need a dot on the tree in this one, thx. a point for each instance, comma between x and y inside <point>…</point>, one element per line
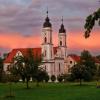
<point>79,71</point>
<point>27,66</point>
<point>88,61</point>
<point>1,68</point>
<point>97,76</point>
<point>90,22</point>
<point>41,76</point>
<point>21,67</point>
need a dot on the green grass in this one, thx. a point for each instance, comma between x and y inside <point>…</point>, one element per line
<point>51,91</point>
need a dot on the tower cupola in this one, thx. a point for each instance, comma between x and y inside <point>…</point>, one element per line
<point>62,29</point>
<point>47,22</point>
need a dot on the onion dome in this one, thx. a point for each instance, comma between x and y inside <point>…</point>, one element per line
<point>62,29</point>
<point>47,22</point>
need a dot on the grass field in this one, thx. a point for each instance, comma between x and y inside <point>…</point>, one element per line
<point>51,91</point>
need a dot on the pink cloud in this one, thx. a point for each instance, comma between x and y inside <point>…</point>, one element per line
<point>75,41</point>
<point>16,40</point>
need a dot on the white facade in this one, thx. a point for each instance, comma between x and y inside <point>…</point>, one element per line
<point>53,63</point>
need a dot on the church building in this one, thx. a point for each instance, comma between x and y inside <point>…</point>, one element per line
<point>54,58</point>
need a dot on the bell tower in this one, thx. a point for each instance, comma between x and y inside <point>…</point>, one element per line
<point>62,39</point>
<point>47,46</point>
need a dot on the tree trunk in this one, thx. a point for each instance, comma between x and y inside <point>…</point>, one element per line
<point>27,83</point>
<point>80,82</point>
<point>37,84</point>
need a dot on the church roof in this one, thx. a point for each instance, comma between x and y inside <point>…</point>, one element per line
<point>62,29</point>
<point>75,57</point>
<point>36,52</point>
<point>47,22</point>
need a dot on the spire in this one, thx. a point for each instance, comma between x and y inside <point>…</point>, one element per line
<point>62,19</point>
<point>62,29</point>
<point>47,21</point>
<point>47,12</point>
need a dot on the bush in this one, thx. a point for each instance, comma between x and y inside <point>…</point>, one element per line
<point>46,78</point>
<point>53,78</point>
<point>60,78</point>
<point>68,78</point>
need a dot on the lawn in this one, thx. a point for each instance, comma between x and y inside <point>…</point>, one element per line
<point>51,91</point>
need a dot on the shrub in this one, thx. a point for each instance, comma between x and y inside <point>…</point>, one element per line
<point>46,78</point>
<point>60,78</point>
<point>53,78</point>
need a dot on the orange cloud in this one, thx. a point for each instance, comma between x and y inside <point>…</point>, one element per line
<point>16,40</point>
<point>75,41</point>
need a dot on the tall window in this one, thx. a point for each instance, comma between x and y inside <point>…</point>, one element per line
<point>45,68</point>
<point>59,67</point>
<point>45,53</point>
<point>51,53</point>
<point>45,39</point>
<point>60,43</point>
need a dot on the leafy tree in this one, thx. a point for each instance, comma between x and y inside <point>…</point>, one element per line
<point>88,61</point>
<point>79,71</point>
<point>98,57</point>
<point>26,67</point>
<point>90,22</point>
<point>22,68</point>
<point>97,76</point>
<point>41,76</point>
<point>1,68</point>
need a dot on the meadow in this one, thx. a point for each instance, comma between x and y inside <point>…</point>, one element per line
<point>51,91</point>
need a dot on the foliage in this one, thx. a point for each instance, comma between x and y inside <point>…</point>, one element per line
<point>22,68</point>
<point>46,78</point>
<point>90,22</point>
<point>1,68</point>
<point>26,67</point>
<point>53,78</point>
<point>79,71</point>
<point>98,57</point>
<point>88,61</point>
<point>68,78</point>
<point>41,75</point>
<point>60,78</point>
<point>85,69</point>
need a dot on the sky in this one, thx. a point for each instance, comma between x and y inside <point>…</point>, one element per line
<point>21,23</point>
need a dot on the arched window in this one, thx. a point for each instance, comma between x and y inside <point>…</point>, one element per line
<point>45,39</point>
<point>60,43</point>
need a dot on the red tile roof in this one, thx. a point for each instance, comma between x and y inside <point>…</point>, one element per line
<point>24,51</point>
<point>75,57</point>
<point>96,60</point>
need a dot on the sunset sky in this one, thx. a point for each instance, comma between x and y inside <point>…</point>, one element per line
<point>21,23</point>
